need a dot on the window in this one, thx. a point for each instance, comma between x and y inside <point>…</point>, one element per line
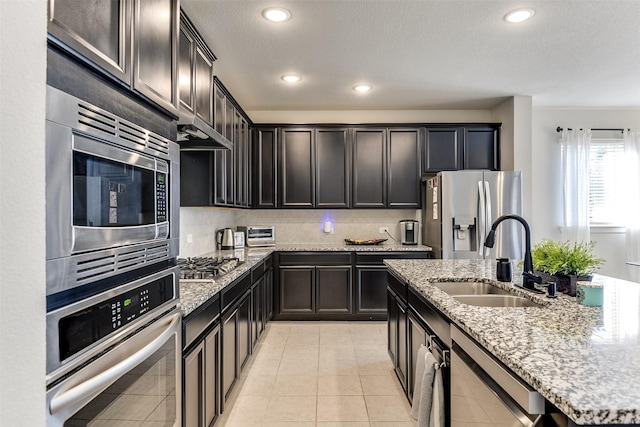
<point>607,182</point>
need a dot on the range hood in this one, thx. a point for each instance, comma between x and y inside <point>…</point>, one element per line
<point>196,135</point>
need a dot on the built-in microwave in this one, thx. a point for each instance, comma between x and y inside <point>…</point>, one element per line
<point>112,194</point>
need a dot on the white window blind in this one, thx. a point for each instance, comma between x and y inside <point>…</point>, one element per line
<point>606,182</point>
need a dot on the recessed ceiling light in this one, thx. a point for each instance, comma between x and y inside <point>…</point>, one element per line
<point>519,15</point>
<point>362,88</point>
<point>276,14</point>
<point>291,78</point>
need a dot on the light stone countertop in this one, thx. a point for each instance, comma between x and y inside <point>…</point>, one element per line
<point>585,360</point>
<point>195,293</point>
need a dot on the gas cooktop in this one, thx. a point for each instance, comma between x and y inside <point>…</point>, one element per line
<point>206,268</point>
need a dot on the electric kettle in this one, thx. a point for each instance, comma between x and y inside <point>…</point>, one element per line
<point>225,238</point>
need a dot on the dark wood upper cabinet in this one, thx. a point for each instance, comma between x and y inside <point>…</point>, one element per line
<point>133,41</point>
<point>155,34</point>
<point>404,168</point>
<point>441,149</point>
<point>461,147</point>
<point>333,168</point>
<point>298,168</point>
<point>369,168</point>
<point>481,147</point>
<point>99,31</point>
<point>186,49</point>
<point>195,72</point>
<point>264,159</point>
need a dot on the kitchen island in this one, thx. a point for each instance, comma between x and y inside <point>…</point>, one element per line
<point>583,360</point>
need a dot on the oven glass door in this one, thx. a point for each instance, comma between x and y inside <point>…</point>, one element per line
<point>144,396</point>
<point>136,383</point>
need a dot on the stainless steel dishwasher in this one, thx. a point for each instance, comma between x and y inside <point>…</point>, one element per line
<point>484,392</point>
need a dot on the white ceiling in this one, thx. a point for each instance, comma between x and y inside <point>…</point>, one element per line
<point>424,54</point>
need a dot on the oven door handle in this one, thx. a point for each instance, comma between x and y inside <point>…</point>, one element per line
<point>86,391</point>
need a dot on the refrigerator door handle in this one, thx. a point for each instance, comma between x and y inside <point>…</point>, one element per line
<point>489,214</point>
<point>482,222</point>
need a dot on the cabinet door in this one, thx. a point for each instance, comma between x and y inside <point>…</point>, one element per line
<point>219,109</point>
<point>258,314</point>
<point>417,336</point>
<point>203,85</point>
<point>268,285</point>
<point>297,172</point>
<point>404,168</point>
<point>333,289</point>
<point>392,327</point>
<point>193,368</point>
<point>264,168</point>
<point>369,171</point>
<point>186,50</point>
<point>211,377</point>
<point>220,177</point>
<point>155,35</point>
<point>229,363</point>
<point>481,148</point>
<point>99,31</point>
<point>401,360</point>
<point>371,290</point>
<point>332,168</point>
<point>244,330</point>
<point>297,290</point>
<point>442,150</point>
<point>241,150</point>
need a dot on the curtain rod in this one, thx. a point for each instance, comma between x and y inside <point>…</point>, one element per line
<point>559,129</point>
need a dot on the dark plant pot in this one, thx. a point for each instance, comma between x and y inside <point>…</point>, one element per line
<point>567,283</point>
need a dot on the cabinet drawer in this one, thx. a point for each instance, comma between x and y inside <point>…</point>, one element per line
<point>376,258</point>
<point>233,292</point>
<point>197,322</point>
<point>314,258</point>
<point>397,286</point>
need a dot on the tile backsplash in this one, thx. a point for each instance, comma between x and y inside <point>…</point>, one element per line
<point>292,225</point>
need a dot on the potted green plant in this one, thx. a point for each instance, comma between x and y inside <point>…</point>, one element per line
<point>568,263</point>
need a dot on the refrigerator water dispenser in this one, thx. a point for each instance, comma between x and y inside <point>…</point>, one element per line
<point>464,233</point>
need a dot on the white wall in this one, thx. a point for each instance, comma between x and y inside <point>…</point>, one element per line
<point>371,116</point>
<point>23,33</point>
<point>547,190</point>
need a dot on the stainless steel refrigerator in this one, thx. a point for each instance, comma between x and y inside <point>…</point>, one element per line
<point>460,207</point>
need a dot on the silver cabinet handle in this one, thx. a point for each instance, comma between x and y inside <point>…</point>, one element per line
<point>86,391</point>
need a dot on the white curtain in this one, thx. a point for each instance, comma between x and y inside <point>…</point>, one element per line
<point>575,181</point>
<point>632,208</point>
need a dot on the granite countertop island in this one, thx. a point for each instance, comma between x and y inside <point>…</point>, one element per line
<point>584,360</point>
<point>194,293</point>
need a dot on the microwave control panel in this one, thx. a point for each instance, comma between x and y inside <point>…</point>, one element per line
<point>161,197</point>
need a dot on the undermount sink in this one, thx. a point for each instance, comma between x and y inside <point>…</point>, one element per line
<point>496,301</point>
<point>470,288</point>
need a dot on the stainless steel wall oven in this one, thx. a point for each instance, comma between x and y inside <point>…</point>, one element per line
<point>115,358</point>
<point>113,320</point>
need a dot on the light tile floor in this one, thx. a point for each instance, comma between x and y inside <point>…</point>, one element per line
<point>319,374</point>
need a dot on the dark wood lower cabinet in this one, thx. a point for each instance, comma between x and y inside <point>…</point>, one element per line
<point>244,331</point>
<point>397,335</point>
<point>314,291</point>
<point>417,336</point>
<point>333,289</point>
<point>371,291</point>
<point>201,368</point>
<point>297,294</point>
<point>229,358</point>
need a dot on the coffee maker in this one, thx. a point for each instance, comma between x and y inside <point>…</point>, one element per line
<point>409,229</point>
